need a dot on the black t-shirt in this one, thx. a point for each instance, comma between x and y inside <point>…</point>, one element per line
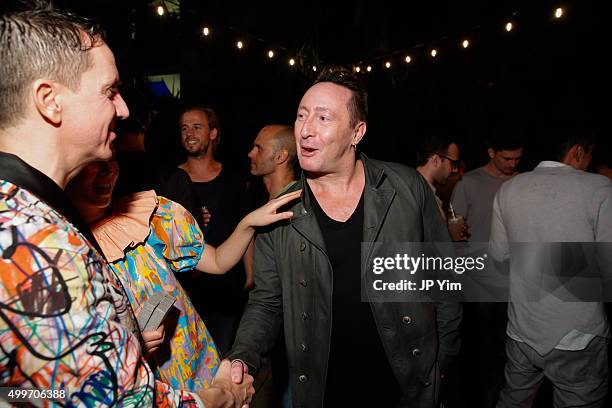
<point>227,200</point>
<point>358,373</point>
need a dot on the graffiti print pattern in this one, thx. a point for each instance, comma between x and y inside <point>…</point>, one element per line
<point>65,322</point>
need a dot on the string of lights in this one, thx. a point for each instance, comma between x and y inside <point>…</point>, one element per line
<point>386,61</point>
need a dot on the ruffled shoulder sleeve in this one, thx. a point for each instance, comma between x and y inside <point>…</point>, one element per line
<point>176,236</point>
<point>127,226</point>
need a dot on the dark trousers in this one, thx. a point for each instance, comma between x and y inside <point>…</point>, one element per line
<point>579,378</point>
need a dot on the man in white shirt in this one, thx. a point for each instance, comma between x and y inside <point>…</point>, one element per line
<point>548,212</point>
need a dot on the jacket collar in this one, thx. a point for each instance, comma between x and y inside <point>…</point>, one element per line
<point>17,172</point>
<point>377,200</point>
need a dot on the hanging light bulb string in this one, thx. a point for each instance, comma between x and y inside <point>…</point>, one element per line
<point>405,56</point>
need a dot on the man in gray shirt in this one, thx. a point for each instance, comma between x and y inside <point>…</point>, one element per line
<point>473,195</point>
<point>549,336</point>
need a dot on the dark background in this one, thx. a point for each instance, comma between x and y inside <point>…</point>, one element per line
<point>543,72</point>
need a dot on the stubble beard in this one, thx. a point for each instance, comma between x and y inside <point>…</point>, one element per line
<point>259,172</point>
<point>198,153</point>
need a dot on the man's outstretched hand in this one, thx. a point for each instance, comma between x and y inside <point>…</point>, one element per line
<point>231,387</point>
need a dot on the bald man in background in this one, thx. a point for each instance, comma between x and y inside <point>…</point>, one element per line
<point>273,157</point>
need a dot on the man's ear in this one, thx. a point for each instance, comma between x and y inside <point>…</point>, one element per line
<point>491,153</point>
<point>213,133</point>
<point>573,155</point>
<point>48,100</point>
<point>580,152</point>
<point>435,160</point>
<point>281,156</point>
<point>360,132</point>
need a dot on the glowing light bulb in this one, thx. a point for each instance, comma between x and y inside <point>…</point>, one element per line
<point>433,53</point>
<point>387,64</point>
<point>206,31</point>
<point>408,59</point>
<point>292,62</point>
<point>239,44</point>
<point>357,69</point>
<point>369,68</point>
<point>270,54</point>
<point>558,12</point>
<point>465,44</point>
<point>509,26</point>
<point>160,10</point>
<point>314,68</point>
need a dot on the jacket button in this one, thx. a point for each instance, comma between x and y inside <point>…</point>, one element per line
<point>302,246</point>
<point>427,383</point>
<point>407,319</point>
<point>416,352</point>
<point>304,316</point>
<point>303,283</point>
<point>303,378</point>
<point>303,347</point>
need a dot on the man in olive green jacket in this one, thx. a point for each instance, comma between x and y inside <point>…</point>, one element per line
<point>308,271</point>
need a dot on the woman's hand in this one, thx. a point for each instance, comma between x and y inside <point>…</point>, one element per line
<point>220,260</point>
<point>153,339</point>
<point>266,214</point>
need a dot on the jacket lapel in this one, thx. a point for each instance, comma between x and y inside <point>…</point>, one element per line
<point>377,202</point>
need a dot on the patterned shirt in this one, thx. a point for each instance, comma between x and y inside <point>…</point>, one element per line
<point>65,322</point>
<point>174,243</point>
